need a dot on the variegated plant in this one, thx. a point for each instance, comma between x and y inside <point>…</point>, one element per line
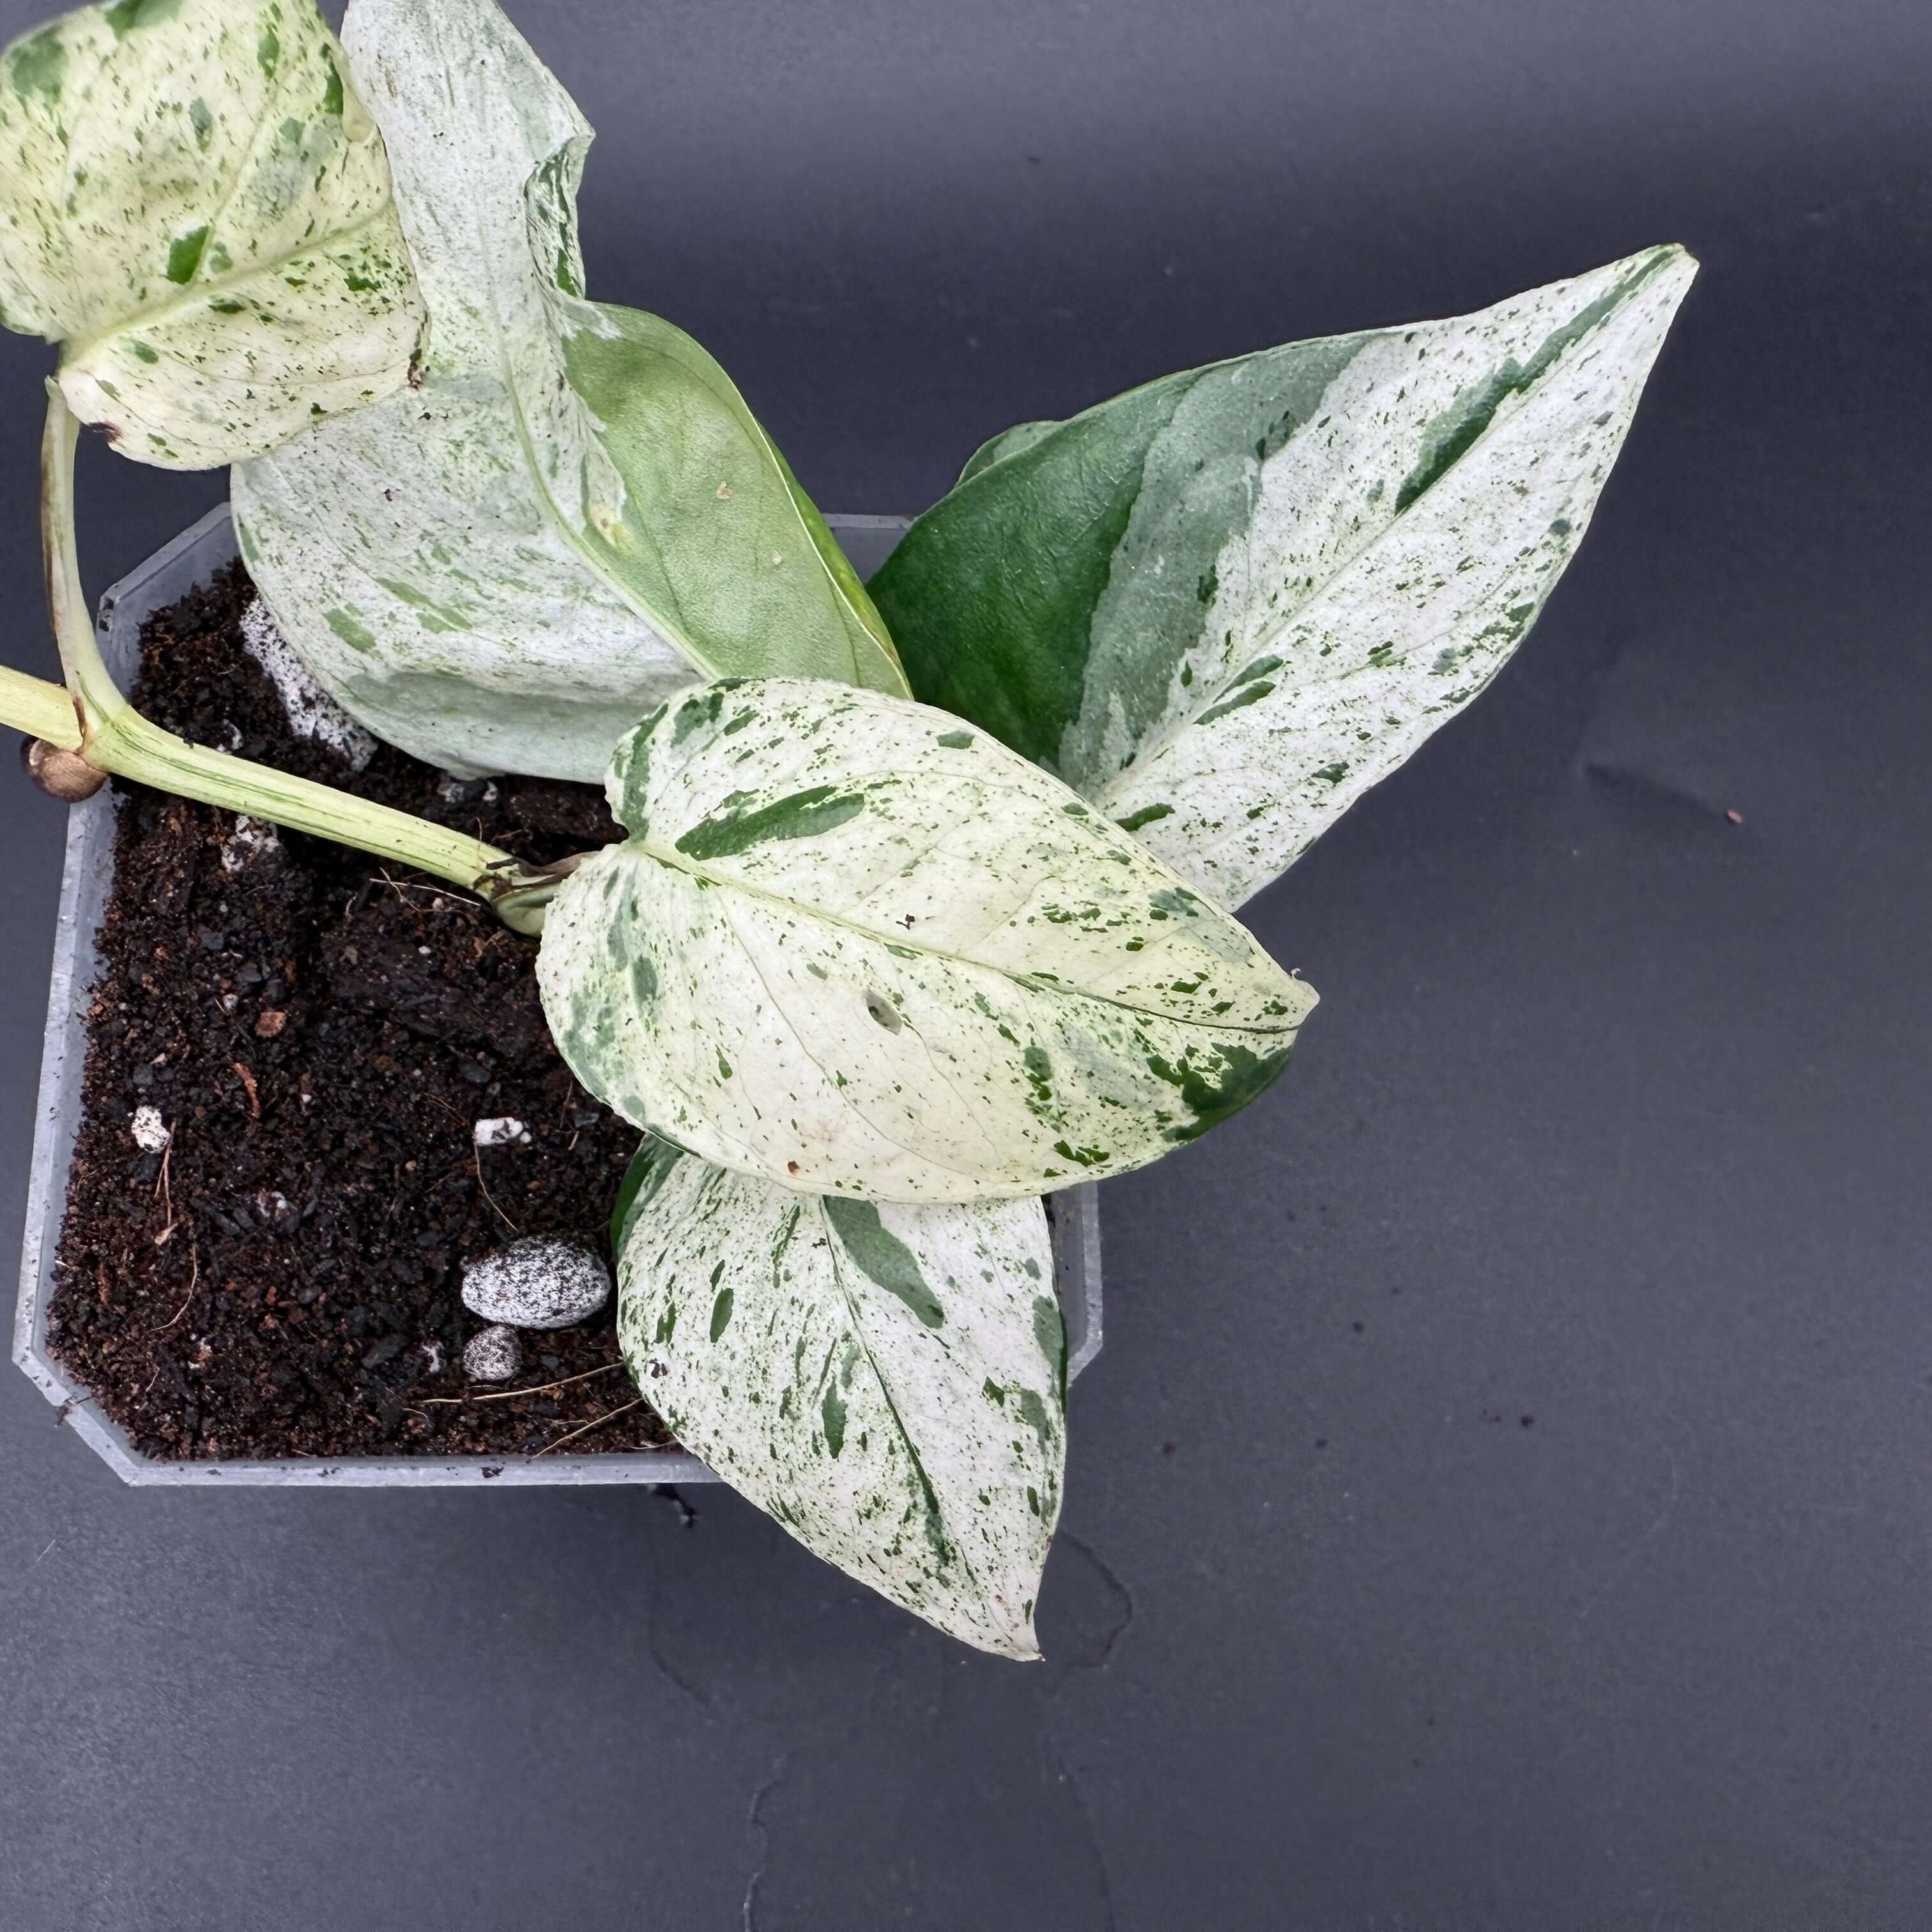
<point>196,208</point>
<point>889,1381</point>
<point>870,974</point>
<point>1222,606</point>
<point>575,514</point>
<point>851,946</point>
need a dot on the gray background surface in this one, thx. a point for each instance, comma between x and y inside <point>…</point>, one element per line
<point>1614,1115</point>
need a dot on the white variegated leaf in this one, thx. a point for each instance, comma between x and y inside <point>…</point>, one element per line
<point>859,948</point>
<point>1222,606</point>
<point>888,1381</point>
<point>197,207</point>
<point>576,513</point>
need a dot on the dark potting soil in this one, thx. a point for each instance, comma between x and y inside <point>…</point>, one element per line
<point>320,1032</point>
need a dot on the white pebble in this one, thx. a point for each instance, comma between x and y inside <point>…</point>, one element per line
<point>450,788</point>
<point>250,840</point>
<point>504,1130</point>
<point>150,1136</point>
<point>537,1282</point>
<point>311,711</point>
<point>493,1355</point>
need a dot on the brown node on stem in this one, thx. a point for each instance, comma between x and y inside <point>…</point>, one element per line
<point>66,775</point>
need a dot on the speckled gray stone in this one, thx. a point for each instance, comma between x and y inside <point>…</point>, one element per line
<point>493,1354</point>
<point>537,1283</point>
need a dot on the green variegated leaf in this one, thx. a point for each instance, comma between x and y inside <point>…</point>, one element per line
<point>576,513</point>
<point>859,948</point>
<point>197,207</point>
<point>1222,606</point>
<point>888,1381</point>
<point>1008,442</point>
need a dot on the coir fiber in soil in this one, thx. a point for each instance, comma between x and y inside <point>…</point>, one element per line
<point>320,1034</point>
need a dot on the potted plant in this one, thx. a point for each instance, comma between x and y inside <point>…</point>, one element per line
<point>917,906</point>
<point>525,1430</point>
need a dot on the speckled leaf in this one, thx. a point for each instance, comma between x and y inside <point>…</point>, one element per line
<point>196,206</point>
<point>859,948</point>
<point>1224,605</point>
<point>888,1381</point>
<point>576,513</point>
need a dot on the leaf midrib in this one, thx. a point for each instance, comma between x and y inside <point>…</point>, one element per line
<point>75,348</point>
<point>835,1250</point>
<point>676,863</point>
<point>499,336</point>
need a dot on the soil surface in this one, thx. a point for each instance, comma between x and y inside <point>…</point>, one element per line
<point>319,1033</point>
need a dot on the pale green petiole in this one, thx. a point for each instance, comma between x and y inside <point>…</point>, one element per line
<point>93,718</point>
<point>44,710</point>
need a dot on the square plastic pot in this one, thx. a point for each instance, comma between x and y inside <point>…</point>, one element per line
<point>191,558</point>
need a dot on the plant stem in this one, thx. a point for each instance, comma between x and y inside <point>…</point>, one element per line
<point>41,710</point>
<point>93,691</point>
<point>111,735</point>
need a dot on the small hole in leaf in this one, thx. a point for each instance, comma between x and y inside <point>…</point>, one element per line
<point>883,1010</point>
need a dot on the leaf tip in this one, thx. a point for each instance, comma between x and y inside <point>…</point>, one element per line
<point>1669,264</point>
<point>1018,1645</point>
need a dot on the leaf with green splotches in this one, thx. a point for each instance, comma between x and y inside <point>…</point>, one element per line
<point>888,1381</point>
<point>197,207</point>
<point>1222,606</point>
<point>576,513</point>
<point>857,947</point>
